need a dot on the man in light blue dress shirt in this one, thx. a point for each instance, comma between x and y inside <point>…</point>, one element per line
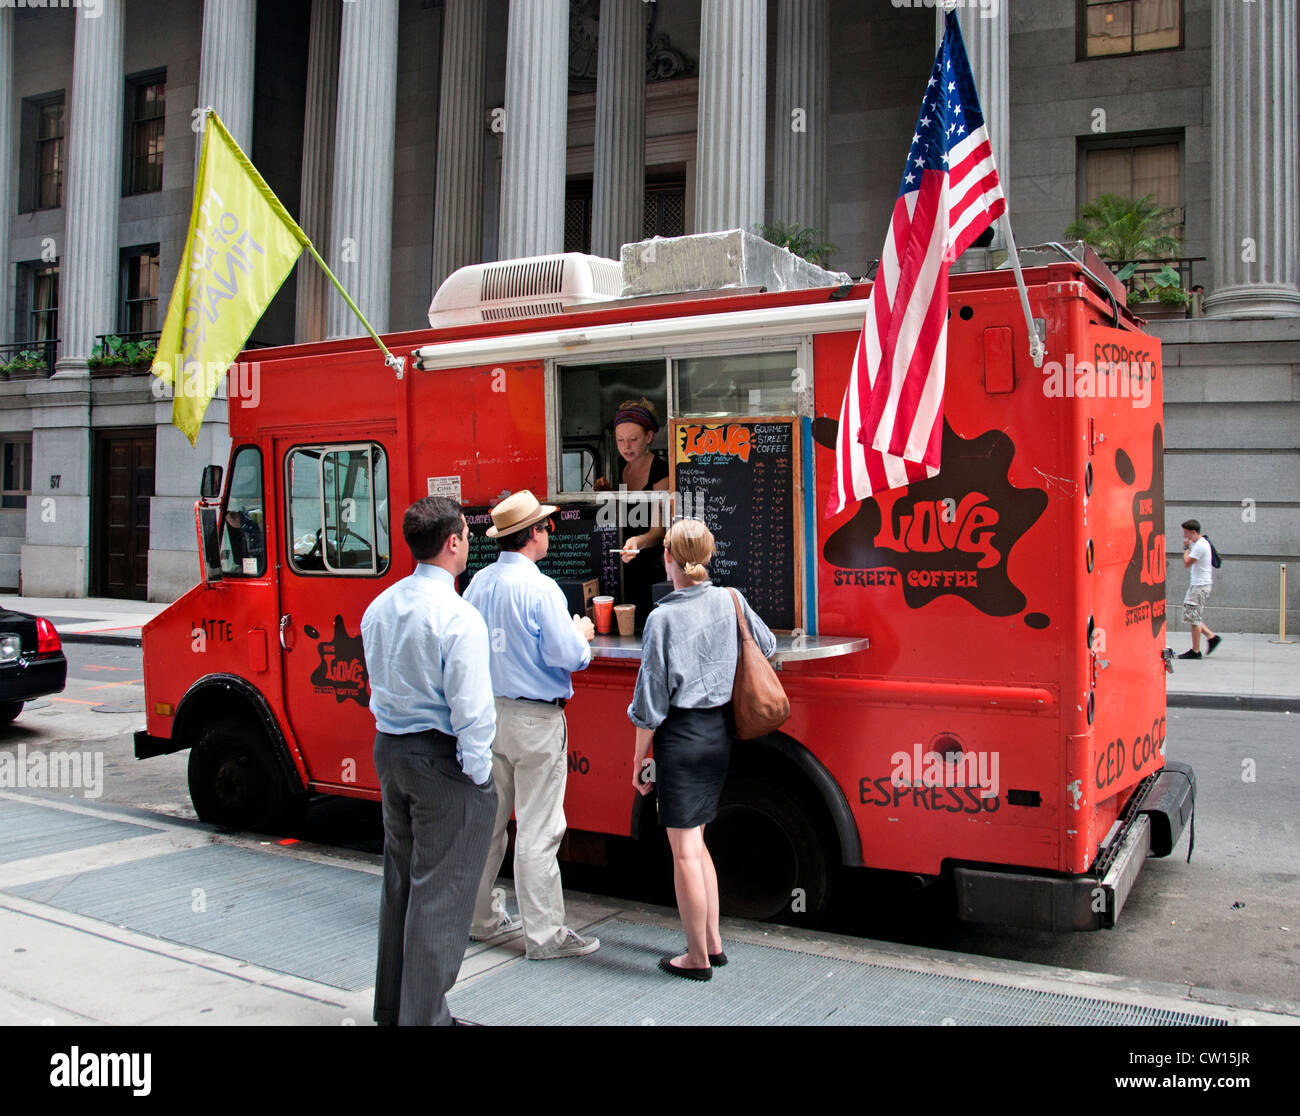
<point>431,694</point>
<point>535,646</point>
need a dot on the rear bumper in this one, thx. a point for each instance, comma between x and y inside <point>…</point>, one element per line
<point>1087,902</point>
<point>30,678</point>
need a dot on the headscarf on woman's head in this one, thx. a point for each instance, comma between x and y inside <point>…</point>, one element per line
<point>638,413</point>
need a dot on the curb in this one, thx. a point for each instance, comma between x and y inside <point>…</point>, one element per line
<point>95,637</point>
<point>1252,703</point>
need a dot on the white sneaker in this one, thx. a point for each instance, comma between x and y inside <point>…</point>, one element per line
<point>507,925</point>
<point>571,944</point>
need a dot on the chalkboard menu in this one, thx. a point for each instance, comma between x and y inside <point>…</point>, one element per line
<point>579,548</point>
<point>742,478</point>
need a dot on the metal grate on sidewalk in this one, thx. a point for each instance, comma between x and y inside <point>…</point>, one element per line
<point>312,920</point>
<point>620,985</point>
<point>30,829</point>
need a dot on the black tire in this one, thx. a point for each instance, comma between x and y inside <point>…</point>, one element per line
<point>236,782</point>
<point>771,860</point>
<point>9,710</point>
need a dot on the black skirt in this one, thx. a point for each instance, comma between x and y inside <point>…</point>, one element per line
<point>691,750</point>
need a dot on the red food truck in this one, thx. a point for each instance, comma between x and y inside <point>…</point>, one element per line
<point>975,663</point>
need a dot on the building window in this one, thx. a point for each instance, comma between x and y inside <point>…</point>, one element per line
<point>16,469</point>
<point>1111,27</point>
<point>665,207</point>
<point>50,154</point>
<point>139,290</point>
<point>577,216</point>
<point>146,112</point>
<point>1134,168</point>
<point>338,509</point>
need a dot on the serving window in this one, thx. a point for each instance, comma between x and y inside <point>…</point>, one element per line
<point>722,384</point>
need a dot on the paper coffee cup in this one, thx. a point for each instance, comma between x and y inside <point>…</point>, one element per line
<point>626,616</point>
<point>604,607</point>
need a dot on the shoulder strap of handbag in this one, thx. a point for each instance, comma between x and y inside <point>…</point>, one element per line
<point>740,616</point>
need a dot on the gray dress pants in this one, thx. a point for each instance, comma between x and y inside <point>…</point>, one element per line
<point>437,828</point>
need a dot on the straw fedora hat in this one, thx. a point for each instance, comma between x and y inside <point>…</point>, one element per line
<point>517,511</point>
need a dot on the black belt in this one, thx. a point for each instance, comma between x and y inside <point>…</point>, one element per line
<point>561,702</point>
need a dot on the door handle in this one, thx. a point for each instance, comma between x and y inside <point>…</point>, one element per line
<point>286,632</point>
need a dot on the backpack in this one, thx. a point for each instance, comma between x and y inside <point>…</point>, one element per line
<point>1215,560</point>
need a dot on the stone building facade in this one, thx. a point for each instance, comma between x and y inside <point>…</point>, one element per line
<point>410,137</point>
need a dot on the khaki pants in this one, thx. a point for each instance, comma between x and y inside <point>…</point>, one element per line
<point>530,766</point>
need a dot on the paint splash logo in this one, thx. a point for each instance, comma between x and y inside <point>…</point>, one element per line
<point>949,535</point>
<point>1143,588</point>
<point>342,667</point>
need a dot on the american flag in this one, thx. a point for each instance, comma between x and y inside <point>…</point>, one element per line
<point>891,421</point>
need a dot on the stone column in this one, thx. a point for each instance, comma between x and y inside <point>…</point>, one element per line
<point>733,115</point>
<point>536,129</point>
<point>986,38</point>
<point>618,186</point>
<point>226,65</point>
<point>361,222</point>
<point>801,97</point>
<point>317,164</point>
<point>1253,196</point>
<point>88,273</point>
<point>458,198</point>
<point>6,167</point>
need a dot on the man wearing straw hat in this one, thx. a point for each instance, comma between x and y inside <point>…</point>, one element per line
<point>535,646</point>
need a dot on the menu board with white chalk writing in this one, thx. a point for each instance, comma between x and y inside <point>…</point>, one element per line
<point>580,547</point>
<point>742,477</point>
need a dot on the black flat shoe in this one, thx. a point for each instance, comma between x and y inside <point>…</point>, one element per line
<point>717,960</point>
<point>666,963</point>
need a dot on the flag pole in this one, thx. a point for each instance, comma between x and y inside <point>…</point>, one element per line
<point>398,364</point>
<point>1037,348</point>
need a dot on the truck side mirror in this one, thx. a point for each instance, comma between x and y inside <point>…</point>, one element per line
<point>207,520</point>
<point>210,487</point>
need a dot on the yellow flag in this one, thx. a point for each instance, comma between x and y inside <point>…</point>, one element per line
<point>241,246</point>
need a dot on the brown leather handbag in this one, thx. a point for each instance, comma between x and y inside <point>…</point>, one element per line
<point>758,702</point>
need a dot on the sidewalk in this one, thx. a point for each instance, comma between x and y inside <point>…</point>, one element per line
<point>1246,672</point>
<point>89,619</point>
<point>116,916</point>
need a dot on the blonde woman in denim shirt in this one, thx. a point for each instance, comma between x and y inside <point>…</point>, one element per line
<point>682,705</point>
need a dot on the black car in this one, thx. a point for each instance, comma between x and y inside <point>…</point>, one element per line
<point>31,661</point>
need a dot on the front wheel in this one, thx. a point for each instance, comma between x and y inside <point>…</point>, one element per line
<point>236,782</point>
<point>772,862</point>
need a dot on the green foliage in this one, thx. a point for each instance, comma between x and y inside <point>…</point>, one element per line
<point>800,239</point>
<point>1163,286</point>
<point>115,352</point>
<point>1121,229</point>
<point>28,360</point>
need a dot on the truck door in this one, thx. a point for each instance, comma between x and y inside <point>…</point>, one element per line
<point>338,558</point>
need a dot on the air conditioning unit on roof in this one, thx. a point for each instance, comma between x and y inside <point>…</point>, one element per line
<point>509,289</point>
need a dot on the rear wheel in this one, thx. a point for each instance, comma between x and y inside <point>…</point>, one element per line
<point>236,782</point>
<point>9,710</point>
<point>771,860</point>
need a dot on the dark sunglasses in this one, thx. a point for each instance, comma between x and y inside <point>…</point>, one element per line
<point>547,525</point>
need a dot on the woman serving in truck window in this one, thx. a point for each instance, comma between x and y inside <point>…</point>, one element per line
<point>640,470</point>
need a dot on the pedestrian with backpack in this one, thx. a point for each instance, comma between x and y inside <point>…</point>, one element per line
<point>1199,555</point>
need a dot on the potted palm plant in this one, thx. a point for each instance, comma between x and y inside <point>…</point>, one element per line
<point>1124,231</point>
